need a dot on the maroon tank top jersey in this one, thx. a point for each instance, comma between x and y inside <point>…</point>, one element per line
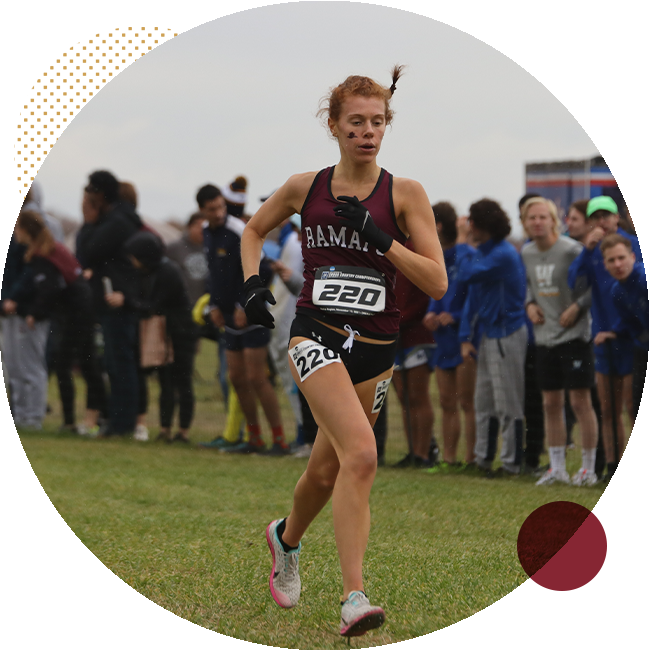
<point>348,281</point>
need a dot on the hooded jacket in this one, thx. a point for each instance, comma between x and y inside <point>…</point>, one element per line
<point>160,289</point>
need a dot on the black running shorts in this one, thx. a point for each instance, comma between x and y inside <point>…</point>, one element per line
<point>567,366</point>
<point>363,362</point>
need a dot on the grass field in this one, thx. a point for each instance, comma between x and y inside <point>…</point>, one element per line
<point>185,527</point>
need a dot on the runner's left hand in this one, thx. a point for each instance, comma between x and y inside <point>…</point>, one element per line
<point>355,212</point>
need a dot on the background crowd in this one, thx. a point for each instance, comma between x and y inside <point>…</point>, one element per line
<point>525,344</point>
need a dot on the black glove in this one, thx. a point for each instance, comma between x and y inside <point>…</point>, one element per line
<point>257,295</point>
<point>362,222</point>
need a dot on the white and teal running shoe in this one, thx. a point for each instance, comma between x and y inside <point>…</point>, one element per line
<point>285,578</point>
<point>358,615</point>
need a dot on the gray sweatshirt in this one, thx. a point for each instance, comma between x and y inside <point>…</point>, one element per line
<point>546,277</point>
<point>194,266</point>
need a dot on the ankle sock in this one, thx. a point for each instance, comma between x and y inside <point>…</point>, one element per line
<point>589,460</point>
<point>278,436</point>
<point>255,435</point>
<point>557,458</point>
<point>280,529</point>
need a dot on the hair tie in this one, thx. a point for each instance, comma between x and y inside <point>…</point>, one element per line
<point>392,89</point>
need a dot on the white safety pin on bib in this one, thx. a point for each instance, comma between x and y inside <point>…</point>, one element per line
<point>349,342</point>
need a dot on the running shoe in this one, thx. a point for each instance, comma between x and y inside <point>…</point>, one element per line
<point>358,615</point>
<point>584,478</point>
<point>550,477</point>
<point>285,577</point>
<point>444,468</point>
<point>245,448</point>
<point>277,450</point>
<point>141,433</point>
<point>218,443</point>
<point>407,461</point>
<point>303,451</point>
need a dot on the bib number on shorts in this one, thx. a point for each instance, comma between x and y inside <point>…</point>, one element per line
<point>309,356</point>
<point>349,290</point>
<point>381,391</point>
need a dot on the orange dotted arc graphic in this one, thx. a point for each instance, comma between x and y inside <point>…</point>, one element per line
<point>63,89</point>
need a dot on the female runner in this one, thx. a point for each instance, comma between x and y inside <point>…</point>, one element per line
<point>343,338</point>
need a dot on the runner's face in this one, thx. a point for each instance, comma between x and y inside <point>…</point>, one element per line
<point>619,261</point>
<point>361,127</point>
<point>637,214</point>
<point>577,225</point>
<point>215,211</point>
<point>539,222</point>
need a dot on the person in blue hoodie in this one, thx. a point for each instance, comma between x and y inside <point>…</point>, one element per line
<point>456,377</point>
<point>614,359</point>
<point>630,299</point>
<point>496,278</point>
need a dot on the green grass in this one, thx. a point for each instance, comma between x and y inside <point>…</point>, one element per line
<point>185,528</point>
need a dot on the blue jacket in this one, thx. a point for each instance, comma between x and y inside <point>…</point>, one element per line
<point>630,300</point>
<point>497,280</point>
<point>222,248</point>
<point>589,264</point>
<point>454,300</point>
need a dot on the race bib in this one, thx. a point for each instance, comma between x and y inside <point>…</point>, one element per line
<point>309,356</point>
<point>349,290</point>
<point>381,390</point>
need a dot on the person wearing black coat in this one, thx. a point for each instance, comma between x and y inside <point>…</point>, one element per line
<point>53,291</point>
<point>163,292</point>
<point>108,223</point>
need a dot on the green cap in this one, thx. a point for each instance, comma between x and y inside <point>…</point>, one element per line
<point>601,203</point>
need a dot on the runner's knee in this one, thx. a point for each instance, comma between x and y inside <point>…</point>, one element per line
<point>362,463</point>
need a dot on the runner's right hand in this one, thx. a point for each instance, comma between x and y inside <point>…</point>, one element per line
<point>257,295</point>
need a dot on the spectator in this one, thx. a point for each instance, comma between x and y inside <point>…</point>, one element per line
<point>34,202</point>
<point>496,277</point>
<point>630,298</point>
<point>456,377</point>
<point>108,223</point>
<point>129,195</point>
<point>246,345</point>
<point>577,224</point>
<point>235,196</point>
<point>65,295</point>
<point>164,293</point>
<point>25,336</point>
<point>562,336</point>
<point>533,408</point>
<point>412,372</point>
<point>188,253</point>
<point>637,216</point>
<point>24,347</point>
<point>614,359</point>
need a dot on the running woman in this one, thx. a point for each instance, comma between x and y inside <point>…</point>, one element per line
<point>343,339</point>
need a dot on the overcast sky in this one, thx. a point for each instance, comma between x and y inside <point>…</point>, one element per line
<point>239,95</point>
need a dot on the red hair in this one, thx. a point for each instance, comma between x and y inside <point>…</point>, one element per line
<point>332,104</point>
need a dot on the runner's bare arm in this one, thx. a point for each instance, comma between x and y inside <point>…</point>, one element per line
<point>426,266</point>
<point>281,205</point>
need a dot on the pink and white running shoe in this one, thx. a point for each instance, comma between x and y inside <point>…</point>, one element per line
<point>285,578</point>
<point>358,615</point>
